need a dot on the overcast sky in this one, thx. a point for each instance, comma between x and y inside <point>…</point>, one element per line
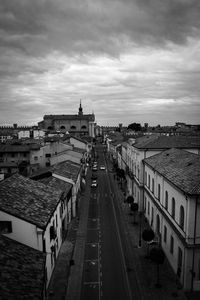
<point>127,60</point>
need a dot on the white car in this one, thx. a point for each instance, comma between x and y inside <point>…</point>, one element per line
<point>94,183</point>
<point>102,167</point>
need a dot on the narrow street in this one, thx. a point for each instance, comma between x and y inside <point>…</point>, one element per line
<point>104,272</point>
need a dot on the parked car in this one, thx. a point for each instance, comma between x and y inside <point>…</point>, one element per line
<point>94,177</point>
<point>94,183</point>
<point>102,167</point>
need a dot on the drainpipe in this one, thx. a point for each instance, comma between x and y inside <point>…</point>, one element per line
<point>194,242</point>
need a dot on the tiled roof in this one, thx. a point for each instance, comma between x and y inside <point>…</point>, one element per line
<point>27,199</point>
<point>56,183</point>
<point>179,167</point>
<point>79,150</point>
<point>167,142</point>
<point>90,117</point>
<point>21,271</point>
<point>67,169</point>
<point>78,139</point>
<point>18,148</point>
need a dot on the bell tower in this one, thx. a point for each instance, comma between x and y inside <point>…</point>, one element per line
<point>80,111</point>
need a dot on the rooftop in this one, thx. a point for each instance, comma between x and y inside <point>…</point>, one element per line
<point>27,199</point>
<point>90,117</point>
<point>18,148</point>
<point>180,167</point>
<point>57,184</point>
<point>167,142</point>
<point>22,271</point>
<point>67,169</point>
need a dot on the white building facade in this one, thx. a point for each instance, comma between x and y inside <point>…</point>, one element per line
<point>172,208</point>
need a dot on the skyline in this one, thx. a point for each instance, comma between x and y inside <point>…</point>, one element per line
<point>127,60</point>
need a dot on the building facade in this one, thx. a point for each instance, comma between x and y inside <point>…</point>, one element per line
<point>172,208</point>
<point>78,125</point>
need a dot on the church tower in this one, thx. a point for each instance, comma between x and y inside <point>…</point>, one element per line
<point>80,111</point>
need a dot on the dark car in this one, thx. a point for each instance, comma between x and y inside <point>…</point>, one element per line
<point>94,177</point>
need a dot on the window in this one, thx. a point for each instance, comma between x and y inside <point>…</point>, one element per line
<point>48,164</point>
<point>165,234</point>
<point>148,208</point>
<point>25,155</point>
<point>152,216</point>
<point>159,192</point>
<point>166,200</point>
<point>181,217</point>
<point>52,233</point>
<point>62,127</point>
<point>44,245</point>
<point>13,155</point>
<point>35,158</point>
<point>171,245</point>
<point>5,227</point>
<point>173,208</point>
<point>83,127</point>
<point>73,127</point>
<point>149,181</point>
<point>145,178</point>
<point>158,224</point>
<point>152,188</point>
<point>48,155</point>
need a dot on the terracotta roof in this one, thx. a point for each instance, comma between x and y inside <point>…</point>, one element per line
<point>22,271</point>
<point>18,148</point>
<point>27,199</point>
<point>78,139</point>
<point>79,150</point>
<point>67,169</point>
<point>167,142</point>
<point>90,117</point>
<point>57,184</point>
<point>180,167</point>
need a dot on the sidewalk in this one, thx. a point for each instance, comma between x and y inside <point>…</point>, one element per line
<point>66,279</point>
<point>144,268</point>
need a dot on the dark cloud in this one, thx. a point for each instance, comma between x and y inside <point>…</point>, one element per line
<point>53,52</point>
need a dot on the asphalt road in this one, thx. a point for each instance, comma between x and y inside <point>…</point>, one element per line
<point>104,270</point>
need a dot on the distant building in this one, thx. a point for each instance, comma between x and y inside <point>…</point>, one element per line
<point>78,125</point>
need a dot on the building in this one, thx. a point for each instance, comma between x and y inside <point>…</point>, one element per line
<point>172,208</point>
<point>78,125</point>
<point>30,213</point>
<point>22,271</point>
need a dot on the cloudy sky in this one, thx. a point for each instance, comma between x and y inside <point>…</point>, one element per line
<point>127,60</point>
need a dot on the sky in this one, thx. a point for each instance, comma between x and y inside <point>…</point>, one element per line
<point>126,60</point>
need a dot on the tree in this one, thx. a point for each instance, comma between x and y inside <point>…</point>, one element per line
<point>157,255</point>
<point>135,126</point>
<point>129,199</point>
<point>148,235</point>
